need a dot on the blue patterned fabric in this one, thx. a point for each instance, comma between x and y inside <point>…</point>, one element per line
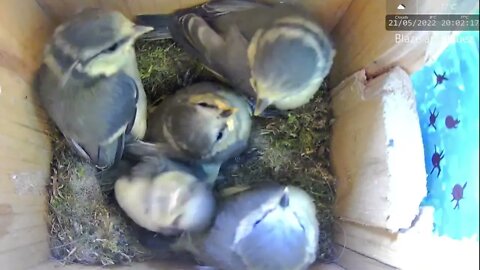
<point>448,108</point>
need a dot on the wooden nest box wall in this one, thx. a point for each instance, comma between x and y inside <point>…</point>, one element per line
<point>377,150</point>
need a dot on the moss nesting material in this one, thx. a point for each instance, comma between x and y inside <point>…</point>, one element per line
<point>85,228</point>
<point>295,151</point>
<point>164,68</point>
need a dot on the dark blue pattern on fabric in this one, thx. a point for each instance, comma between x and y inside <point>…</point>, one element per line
<point>448,108</point>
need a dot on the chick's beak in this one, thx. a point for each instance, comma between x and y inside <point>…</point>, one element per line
<point>285,199</point>
<point>141,29</point>
<point>260,106</point>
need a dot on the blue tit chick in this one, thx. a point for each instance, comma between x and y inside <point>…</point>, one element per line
<point>90,86</point>
<point>268,227</point>
<point>274,53</point>
<point>204,123</point>
<point>163,195</point>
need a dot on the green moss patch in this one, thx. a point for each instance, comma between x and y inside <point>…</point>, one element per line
<point>85,227</point>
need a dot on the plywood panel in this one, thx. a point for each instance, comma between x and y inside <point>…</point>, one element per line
<point>146,6</point>
<point>16,134</point>
<point>10,59</point>
<point>417,248</point>
<point>16,239</point>
<point>158,6</point>
<point>351,260</point>
<point>363,41</point>
<point>330,266</point>
<point>328,12</point>
<point>17,97</point>
<point>16,222</point>
<point>119,5</point>
<point>24,147</point>
<point>15,131</point>
<point>29,104</point>
<point>22,178</point>
<point>15,204</point>
<point>16,216</point>
<point>375,243</point>
<point>21,166</point>
<point>54,9</point>
<point>24,27</point>
<point>27,178</point>
<point>25,257</point>
<point>23,231</point>
<point>60,10</point>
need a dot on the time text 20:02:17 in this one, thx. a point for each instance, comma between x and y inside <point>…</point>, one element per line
<point>432,22</point>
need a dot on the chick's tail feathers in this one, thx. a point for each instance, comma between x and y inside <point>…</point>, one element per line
<point>108,177</point>
<point>160,24</point>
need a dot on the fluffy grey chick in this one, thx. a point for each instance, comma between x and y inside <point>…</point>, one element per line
<point>163,195</point>
<point>275,53</point>
<point>89,84</point>
<point>268,227</point>
<point>204,123</point>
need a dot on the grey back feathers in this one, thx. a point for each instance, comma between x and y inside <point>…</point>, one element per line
<point>298,49</point>
<point>274,52</point>
<point>89,85</point>
<point>137,151</point>
<point>258,229</point>
<point>296,63</point>
<point>163,195</point>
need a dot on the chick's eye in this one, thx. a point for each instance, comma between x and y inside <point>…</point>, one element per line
<point>115,46</point>
<point>112,48</point>
<point>226,113</point>
<point>219,135</point>
<point>206,105</point>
